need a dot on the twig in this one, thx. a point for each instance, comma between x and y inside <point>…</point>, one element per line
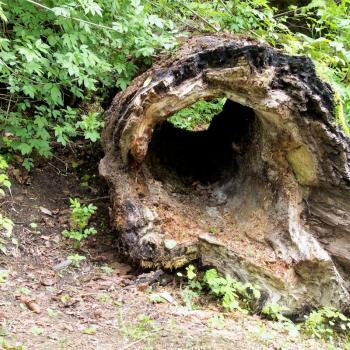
<point>225,7</point>
<point>200,17</point>
<point>137,341</point>
<point>3,203</point>
<point>95,199</point>
<point>296,12</point>
<point>285,13</point>
<point>14,72</point>
<point>174,18</point>
<point>9,105</point>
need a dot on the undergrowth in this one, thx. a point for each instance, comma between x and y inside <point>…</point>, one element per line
<point>326,323</point>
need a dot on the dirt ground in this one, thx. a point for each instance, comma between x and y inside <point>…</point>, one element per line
<point>104,303</point>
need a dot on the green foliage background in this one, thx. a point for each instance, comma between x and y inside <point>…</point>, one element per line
<point>60,59</point>
<point>56,54</point>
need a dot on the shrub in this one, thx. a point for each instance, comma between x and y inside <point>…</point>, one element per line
<point>54,55</point>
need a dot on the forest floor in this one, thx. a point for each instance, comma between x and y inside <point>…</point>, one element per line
<point>45,304</point>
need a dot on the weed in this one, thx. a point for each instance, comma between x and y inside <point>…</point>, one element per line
<point>34,227</point>
<point>65,299</point>
<point>191,293</point>
<point>35,330</point>
<point>107,270</point>
<point>24,291</point>
<point>6,224</point>
<point>143,329</point>
<point>79,219</point>
<point>274,312</point>
<point>213,230</point>
<point>3,276</point>
<point>76,259</point>
<point>4,179</point>
<point>232,293</point>
<point>90,330</point>
<point>217,322</point>
<point>327,323</point>
<point>104,298</point>
<point>4,344</point>
<point>52,312</point>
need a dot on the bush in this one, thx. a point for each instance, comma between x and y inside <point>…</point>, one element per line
<point>54,55</point>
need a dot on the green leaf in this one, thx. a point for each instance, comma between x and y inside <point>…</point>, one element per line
<point>29,90</point>
<point>56,95</point>
<point>24,148</point>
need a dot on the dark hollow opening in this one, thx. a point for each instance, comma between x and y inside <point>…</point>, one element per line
<point>202,156</point>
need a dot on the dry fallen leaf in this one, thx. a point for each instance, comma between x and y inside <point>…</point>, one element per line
<point>48,281</point>
<point>30,304</point>
<point>45,211</point>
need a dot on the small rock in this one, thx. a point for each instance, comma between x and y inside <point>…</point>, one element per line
<point>170,244</point>
<point>62,265</point>
<point>150,277</point>
<point>212,212</point>
<point>162,298</point>
<point>167,296</point>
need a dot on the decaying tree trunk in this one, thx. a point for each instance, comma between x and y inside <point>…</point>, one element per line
<point>263,194</point>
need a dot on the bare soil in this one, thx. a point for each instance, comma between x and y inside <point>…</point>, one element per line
<point>44,305</point>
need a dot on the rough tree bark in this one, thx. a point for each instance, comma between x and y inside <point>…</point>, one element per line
<point>270,202</point>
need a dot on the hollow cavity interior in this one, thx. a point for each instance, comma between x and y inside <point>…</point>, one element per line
<point>186,157</point>
<point>212,181</point>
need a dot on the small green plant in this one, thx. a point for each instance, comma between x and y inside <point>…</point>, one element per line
<point>3,276</point>
<point>91,126</point>
<point>76,259</point>
<point>35,330</point>
<point>213,230</point>
<point>189,298</point>
<point>4,344</point>
<point>107,270</point>
<point>6,225</point>
<point>65,299</point>
<point>274,312</point>
<point>191,293</point>
<point>24,291</point>
<point>90,330</point>
<point>52,312</point>
<point>34,227</point>
<point>217,322</point>
<point>232,293</point>
<point>79,220</point>
<point>143,328</point>
<point>104,298</point>
<point>327,323</point>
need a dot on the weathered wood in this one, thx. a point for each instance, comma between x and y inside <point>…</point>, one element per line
<point>263,194</point>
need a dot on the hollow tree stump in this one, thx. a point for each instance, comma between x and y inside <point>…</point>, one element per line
<point>262,195</point>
